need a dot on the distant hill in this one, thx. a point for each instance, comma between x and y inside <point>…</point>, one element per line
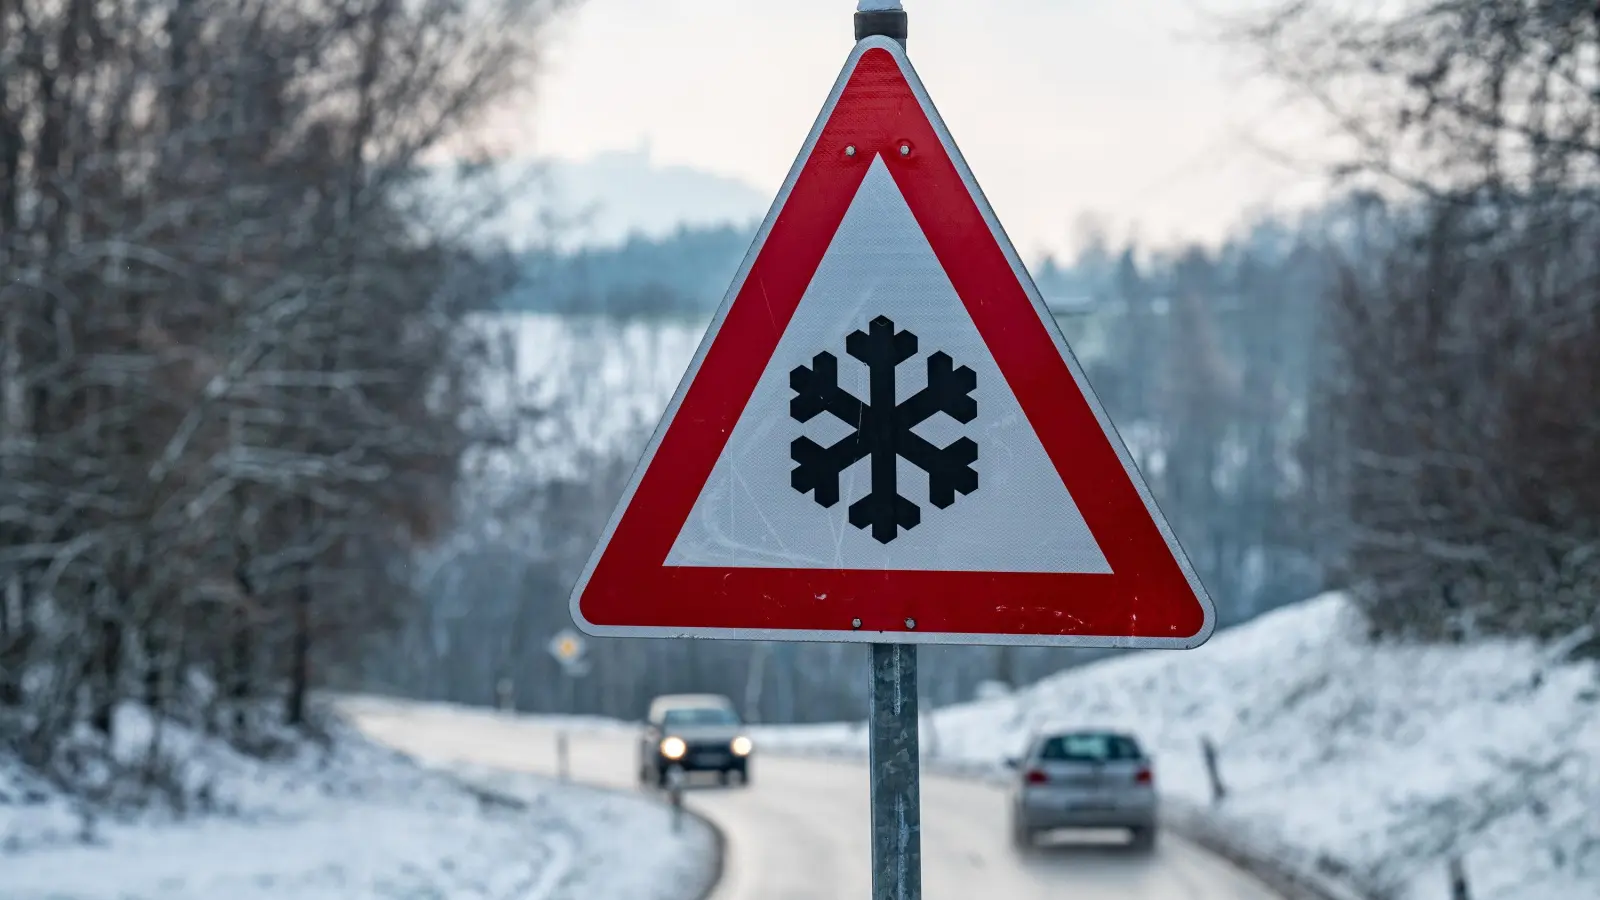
<point>605,200</point>
<point>618,234</point>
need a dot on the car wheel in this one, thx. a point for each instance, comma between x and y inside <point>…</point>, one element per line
<point>1144,839</point>
<point>1021,835</point>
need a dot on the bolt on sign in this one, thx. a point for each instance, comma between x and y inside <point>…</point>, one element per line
<point>883,436</point>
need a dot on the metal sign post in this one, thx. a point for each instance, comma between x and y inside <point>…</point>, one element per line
<point>895,785</point>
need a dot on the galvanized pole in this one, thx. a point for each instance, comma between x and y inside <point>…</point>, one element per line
<point>895,779</point>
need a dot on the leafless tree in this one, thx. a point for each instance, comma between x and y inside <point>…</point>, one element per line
<point>233,373</point>
<point>1458,411</point>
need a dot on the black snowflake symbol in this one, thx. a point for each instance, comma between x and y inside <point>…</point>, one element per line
<point>883,429</point>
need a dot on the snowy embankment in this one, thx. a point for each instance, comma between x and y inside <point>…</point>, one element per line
<point>340,820</point>
<point>1379,761</point>
<point>630,848</point>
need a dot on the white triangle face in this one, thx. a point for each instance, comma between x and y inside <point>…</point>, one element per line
<point>1019,518</point>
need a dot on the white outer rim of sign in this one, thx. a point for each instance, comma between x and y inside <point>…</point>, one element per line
<point>894,637</point>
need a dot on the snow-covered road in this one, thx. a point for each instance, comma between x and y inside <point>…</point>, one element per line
<point>800,830</point>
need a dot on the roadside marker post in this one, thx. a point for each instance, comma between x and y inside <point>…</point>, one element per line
<point>568,649</point>
<point>884,438</point>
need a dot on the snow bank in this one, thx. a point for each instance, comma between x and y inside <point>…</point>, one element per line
<point>343,821</point>
<point>1385,759</point>
<point>32,812</point>
<point>628,847</point>
<point>623,852</point>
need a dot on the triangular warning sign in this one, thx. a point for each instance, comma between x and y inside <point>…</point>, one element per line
<point>883,436</point>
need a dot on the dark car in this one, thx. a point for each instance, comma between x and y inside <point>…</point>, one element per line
<point>695,733</point>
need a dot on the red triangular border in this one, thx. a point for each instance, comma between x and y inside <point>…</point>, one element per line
<point>1151,598</point>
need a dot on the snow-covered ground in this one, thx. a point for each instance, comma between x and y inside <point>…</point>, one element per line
<point>1386,759</point>
<point>344,821</point>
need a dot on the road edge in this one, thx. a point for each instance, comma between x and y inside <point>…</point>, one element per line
<point>486,796</point>
<point>1300,881</point>
<point>1297,880</point>
<point>719,853</point>
<point>490,797</point>
<point>715,866</point>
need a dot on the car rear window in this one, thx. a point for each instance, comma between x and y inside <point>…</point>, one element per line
<point>1090,748</point>
<point>691,716</point>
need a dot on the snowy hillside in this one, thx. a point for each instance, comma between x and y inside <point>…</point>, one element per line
<point>1384,759</point>
<point>598,385</point>
<point>348,821</point>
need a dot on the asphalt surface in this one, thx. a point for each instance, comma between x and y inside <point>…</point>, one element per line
<point>799,831</point>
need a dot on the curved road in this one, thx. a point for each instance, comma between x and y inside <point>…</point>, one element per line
<point>799,831</point>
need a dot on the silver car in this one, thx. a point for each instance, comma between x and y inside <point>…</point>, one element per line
<point>1083,779</point>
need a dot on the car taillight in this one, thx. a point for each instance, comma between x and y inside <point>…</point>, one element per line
<point>1035,776</point>
<point>1143,777</point>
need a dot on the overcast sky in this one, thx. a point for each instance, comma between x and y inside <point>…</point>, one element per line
<point>1117,108</point>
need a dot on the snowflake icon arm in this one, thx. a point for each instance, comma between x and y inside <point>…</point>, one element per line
<point>949,391</point>
<point>816,390</point>
<point>817,468</point>
<point>881,348</point>
<point>949,469</point>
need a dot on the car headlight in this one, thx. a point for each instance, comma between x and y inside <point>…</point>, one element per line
<point>674,748</point>
<point>741,746</point>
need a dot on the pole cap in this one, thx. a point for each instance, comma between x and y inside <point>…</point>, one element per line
<point>881,17</point>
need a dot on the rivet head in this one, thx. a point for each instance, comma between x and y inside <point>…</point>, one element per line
<point>905,149</point>
<point>911,623</point>
<point>855,623</point>
<point>850,150</point>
